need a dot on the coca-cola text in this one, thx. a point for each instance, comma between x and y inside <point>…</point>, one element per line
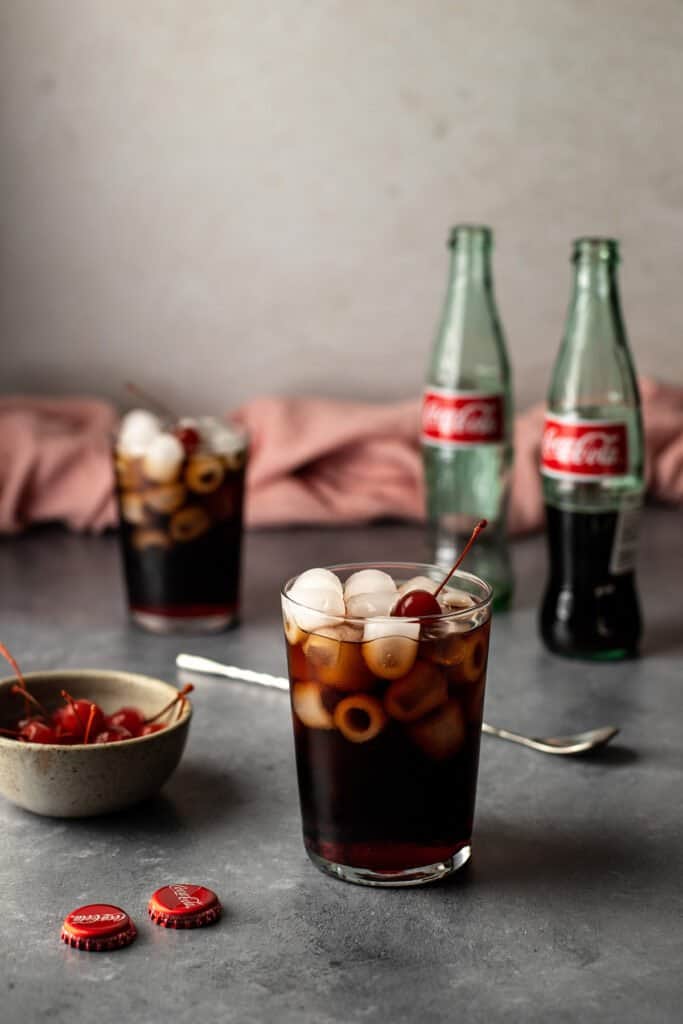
<point>583,449</point>
<point>461,418</point>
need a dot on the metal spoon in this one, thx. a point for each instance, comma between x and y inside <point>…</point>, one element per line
<point>580,743</point>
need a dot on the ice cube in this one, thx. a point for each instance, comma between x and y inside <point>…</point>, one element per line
<point>292,632</point>
<point>417,693</point>
<point>164,499</point>
<point>316,607</point>
<point>335,658</point>
<point>473,663</point>
<point>369,581</point>
<point>132,509</point>
<point>453,600</point>
<point>163,459</point>
<point>307,701</point>
<point>360,717</point>
<point>138,429</point>
<point>316,578</point>
<point>362,606</point>
<point>390,646</point>
<point>418,583</point>
<point>219,437</point>
<point>441,734</point>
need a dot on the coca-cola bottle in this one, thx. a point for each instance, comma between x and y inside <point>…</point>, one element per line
<point>467,418</point>
<point>592,466</point>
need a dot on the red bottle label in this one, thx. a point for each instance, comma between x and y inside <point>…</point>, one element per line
<point>461,418</point>
<point>583,449</point>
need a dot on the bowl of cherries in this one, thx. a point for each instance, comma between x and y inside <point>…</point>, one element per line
<point>80,742</point>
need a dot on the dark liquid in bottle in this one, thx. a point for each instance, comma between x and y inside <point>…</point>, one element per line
<point>588,611</point>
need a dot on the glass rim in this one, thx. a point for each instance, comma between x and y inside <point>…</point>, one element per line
<point>471,233</point>
<point>597,248</point>
<point>229,420</point>
<point>458,614</point>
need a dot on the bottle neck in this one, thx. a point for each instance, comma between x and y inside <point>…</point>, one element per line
<point>471,266</point>
<point>595,310</point>
<point>596,280</point>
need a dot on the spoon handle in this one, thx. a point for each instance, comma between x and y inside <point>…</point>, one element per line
<point>193,663</point>
<point>513,737</point>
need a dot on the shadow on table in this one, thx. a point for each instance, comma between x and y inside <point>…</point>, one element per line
<point>545,856</point>
<point>613,754</point>
<point>195,798</point>
<point>663,638</point>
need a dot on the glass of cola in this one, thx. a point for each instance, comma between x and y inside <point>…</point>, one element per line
<point>387,714</point>
<point>180,488</point>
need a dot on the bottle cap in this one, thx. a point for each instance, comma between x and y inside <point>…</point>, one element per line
<point>184,906</point>
<point>98,927</point>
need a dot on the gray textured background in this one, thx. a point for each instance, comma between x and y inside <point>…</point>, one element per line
<point>222,198</point>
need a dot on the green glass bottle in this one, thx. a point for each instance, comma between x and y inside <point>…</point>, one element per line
<point>467,419</point>
<point>592,466</point>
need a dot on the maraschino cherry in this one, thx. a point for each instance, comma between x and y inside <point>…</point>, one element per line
<point>418,604</point>
<point>82,721</point>
<point>131,719</point>
<point>189,438</point>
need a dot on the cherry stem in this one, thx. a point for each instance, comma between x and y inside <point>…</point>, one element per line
<point>30,699</point>
<point>72,704</point>
<point>91,717</point>
<point>481,525</point>
<point>180,697</point>
<point>150,400</point>
<point>9,732</point>
<point>17,671</point>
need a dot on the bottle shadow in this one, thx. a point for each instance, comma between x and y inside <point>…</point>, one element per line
<point>662,638</point>
<point>543,857</point>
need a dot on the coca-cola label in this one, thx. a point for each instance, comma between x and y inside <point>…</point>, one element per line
<point>578,449</point>
<point>461,418</point>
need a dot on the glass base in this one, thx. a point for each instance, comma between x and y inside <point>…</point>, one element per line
<point>422,875</point>
<point>154,622</point>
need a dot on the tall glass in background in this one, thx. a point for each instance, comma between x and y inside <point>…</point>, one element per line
<point>181,528</point>
<point>387,723</point>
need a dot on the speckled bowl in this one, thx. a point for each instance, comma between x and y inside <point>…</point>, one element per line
<point>81,781</point>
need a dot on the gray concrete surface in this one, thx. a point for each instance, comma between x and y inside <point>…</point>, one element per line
<point>570,911</point>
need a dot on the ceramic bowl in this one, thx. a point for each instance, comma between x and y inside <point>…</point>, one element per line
<point>81,781</point>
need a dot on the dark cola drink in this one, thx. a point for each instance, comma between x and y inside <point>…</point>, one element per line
<point>387,717</point>
<point>180,492</point>
<point>592,466</point>
<point>589,609</point>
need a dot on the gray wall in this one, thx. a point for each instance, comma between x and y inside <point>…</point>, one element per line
<point>223,198</point>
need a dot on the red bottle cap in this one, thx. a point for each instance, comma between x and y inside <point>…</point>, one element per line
<point>98,927</point>
<point>184,906</point>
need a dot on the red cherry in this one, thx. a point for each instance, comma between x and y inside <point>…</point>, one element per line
<point>131,719</point>
<point>420,603</point>
<point>151,727</point>
<point>38,732</point>
<point>23,722</point>
<point>189,438</point>
<point>416,604</point>
<point>113,734</point>
<point>74,717</point>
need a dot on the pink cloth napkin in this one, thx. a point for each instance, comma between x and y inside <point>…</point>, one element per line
<point>55,462</point>
<point>312,460</point>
